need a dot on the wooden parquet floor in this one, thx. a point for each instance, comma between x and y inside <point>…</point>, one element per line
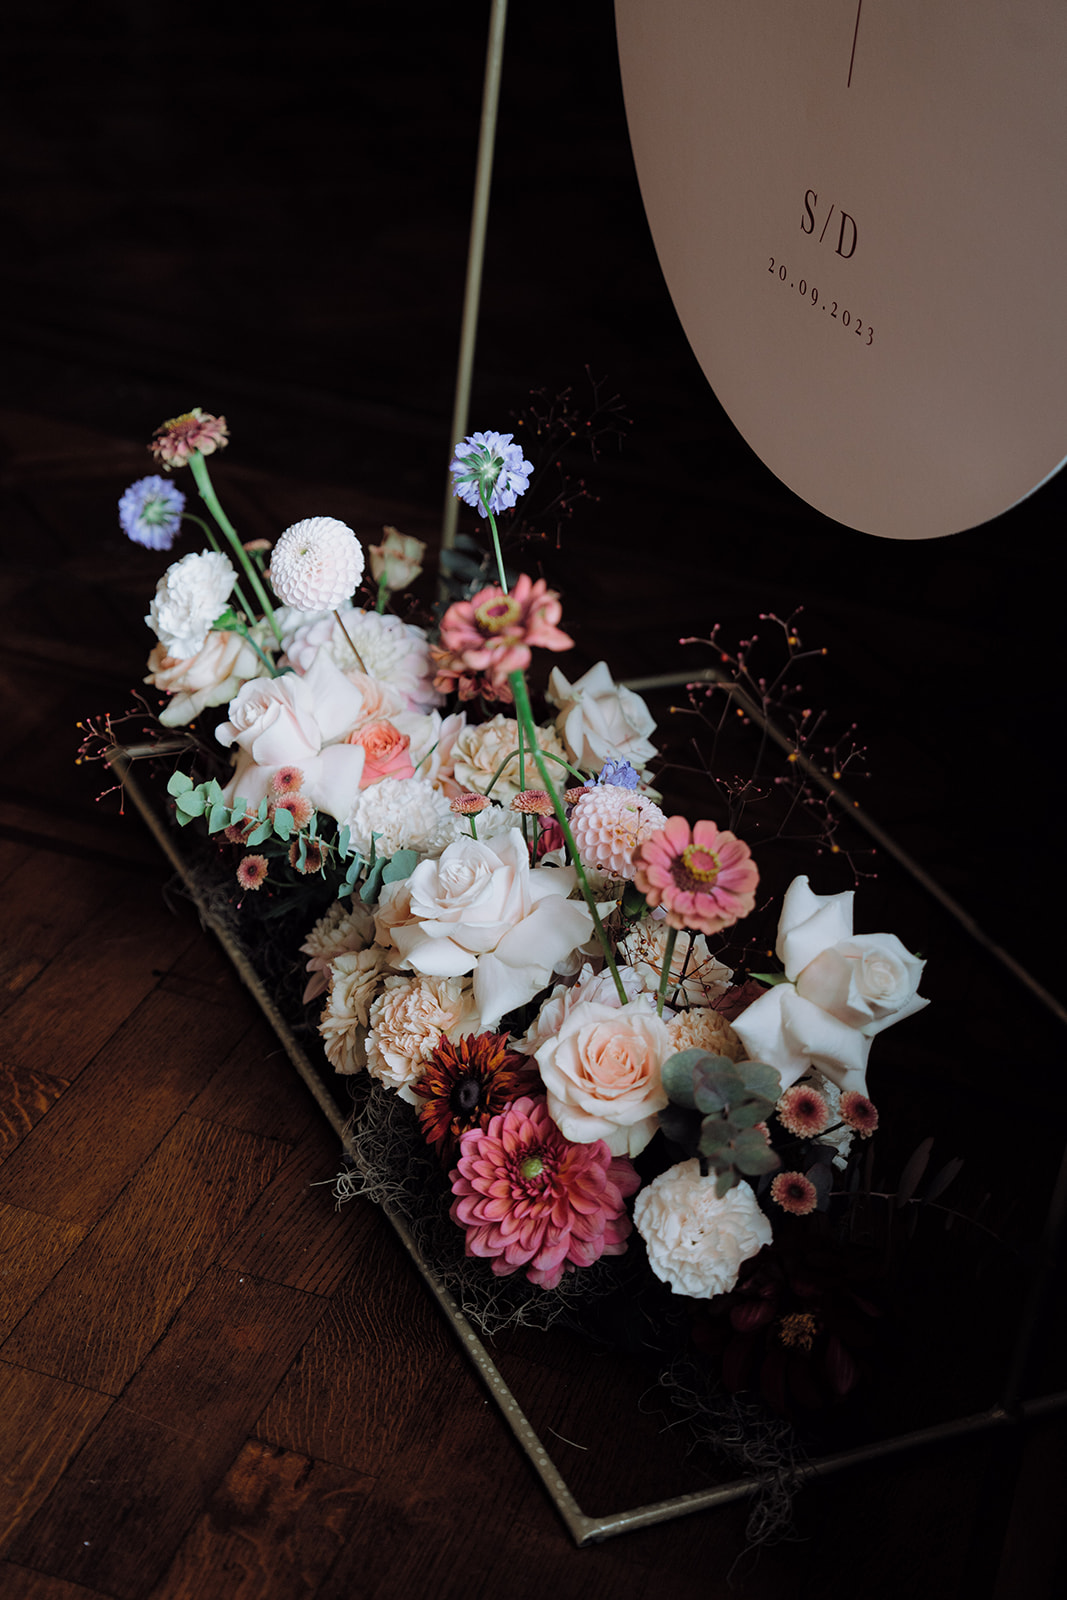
<point>215,1384</point>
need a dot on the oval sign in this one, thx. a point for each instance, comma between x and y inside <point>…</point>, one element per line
<point>858,207</point>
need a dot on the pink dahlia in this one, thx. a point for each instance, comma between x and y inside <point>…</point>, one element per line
<point>530,1198</point>
<point>176,440</point>
<point>316,564</point>
<point>494,633</point>
<point>608,824</point>
<point>703,879</point>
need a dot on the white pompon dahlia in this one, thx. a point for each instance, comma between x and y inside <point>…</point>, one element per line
<point>316,564</point>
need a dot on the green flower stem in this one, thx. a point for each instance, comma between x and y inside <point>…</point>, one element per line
<point>665,975</point>
<point>247,637</point>
<point>383,590</point>
<point>209,535</point>
<point>496,539</point>
<point>211,500</point>
<point>359,659</point>
<point>522,707</point>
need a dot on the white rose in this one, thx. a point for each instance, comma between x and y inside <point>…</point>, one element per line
<point>601,721</point>
<point>481,908</point>
<point>696,1241</point>
<point>842,991</point>
<point>603,1074</point>
<point>189,597</point>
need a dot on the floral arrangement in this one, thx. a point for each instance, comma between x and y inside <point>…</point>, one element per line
<point>506,938</point>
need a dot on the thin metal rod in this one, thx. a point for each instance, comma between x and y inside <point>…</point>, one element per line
<point>494,62</point>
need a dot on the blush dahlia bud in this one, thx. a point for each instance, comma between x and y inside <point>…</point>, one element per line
<point>316,564</point>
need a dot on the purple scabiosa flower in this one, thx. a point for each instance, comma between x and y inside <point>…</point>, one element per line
<point>150,512</point>
<point>617,774</point>
<point>490,464</point>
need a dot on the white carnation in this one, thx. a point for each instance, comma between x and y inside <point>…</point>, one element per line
<point>189,597</point>
<point>405,814</point>
<point>696,1241</point>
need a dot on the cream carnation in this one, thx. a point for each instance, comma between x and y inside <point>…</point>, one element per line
<point>189,597</point>
<point>603,1074</point>
<point>407,1020</point>
<point>705,977</point>
<point>405,814</point>
<point>346,927</point>
<point>608,824</point>
<point>704,1028</point>
<point>601,721</point>
<point>316,564</point>
<point>210,678</point>
<point>478,752</point>
<point>354,981</point>
<point>696,1241</point>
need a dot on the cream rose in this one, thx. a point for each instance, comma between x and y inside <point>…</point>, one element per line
<point>602,1072</point>
<point>696,1241</point>
<point>842,990</point>
<point>601,721</point>
<point>293,720</point>
<point>209,678</point>
<point>482,908</point>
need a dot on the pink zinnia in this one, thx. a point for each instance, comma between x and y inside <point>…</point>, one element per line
<point>252,872</point>
<point>858,1112</point>
<point>803,1111</point>
<point>794,1193</point>
<point>494,633</point>
<point>176,440</point>
<point>530,1198</point>
<point>703,879</point>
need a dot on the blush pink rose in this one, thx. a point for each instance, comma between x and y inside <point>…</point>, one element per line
<point>209,678</point>
<point>603,1074</point>
<point>386,753</point>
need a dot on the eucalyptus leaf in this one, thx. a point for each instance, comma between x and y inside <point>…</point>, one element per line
<point>218,818</point>
<point>762,1079</point>
<point>372,887</point>
<point>769,977</point>
<point>178,783</point>
<point>343,838</point>
<point>749,1112</point>
<point>752,1153</point>
<point>213,793</point>
<point>400,866</point>
<point>190,803</point>
<point>725,1182</point>
<point>283,821</point>
<point>682,1127</point>
<point>715,1136</point>
<point>262,831</point>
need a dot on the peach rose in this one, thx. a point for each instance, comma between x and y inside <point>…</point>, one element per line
<point>386,753</point>
<point>602,1072</point>
<point>209,678</point>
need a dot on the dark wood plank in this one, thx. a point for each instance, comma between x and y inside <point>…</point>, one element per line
<point>43,1424</point>
<point>275,1525</point>
<point>115,1519</point>
<point>19,1583</point>
<point>106,1309</point>
<point>256,1088</point>
<point>53,898</point>
<point>295,1233</point>
<point>380,1354</point>
<point>32,1249</point>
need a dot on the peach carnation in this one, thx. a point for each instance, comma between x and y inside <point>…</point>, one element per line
<point>703,1028</point>
<point>354,981</point>
<point>408,1019</point>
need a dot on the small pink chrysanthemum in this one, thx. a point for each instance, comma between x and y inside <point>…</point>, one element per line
<point>530,1198</point>
<point>573,795</point>
<point>287,780</point>
<point>299,807</point>
<point>703,879</point>
<point>534,802</point>
<point>609,823</point>
<point>468,805</point>
<point>252,872</point>
<point>316,564</point>
<point>312,856</point>
<point>794,1193</point>
<point>858,1112</point>
<point>175,441</point>
<point>803,1111</point>
<point>494,633</point>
